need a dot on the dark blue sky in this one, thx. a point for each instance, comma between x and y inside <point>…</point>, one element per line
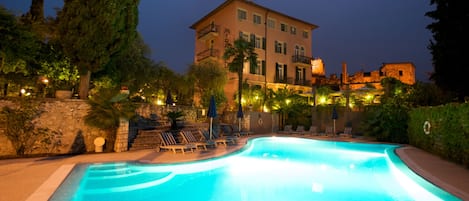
<point>362,33</point>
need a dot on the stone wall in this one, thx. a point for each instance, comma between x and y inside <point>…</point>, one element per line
<point>62,116</point>
<point>66,116</point>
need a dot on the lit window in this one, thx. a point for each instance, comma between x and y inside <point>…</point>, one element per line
<point>242,14</point>
<point>293,30</point>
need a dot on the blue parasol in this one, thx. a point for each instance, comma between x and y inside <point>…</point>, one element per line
<point>212,113</point>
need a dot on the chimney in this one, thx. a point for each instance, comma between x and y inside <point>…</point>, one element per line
<point>344,73</point>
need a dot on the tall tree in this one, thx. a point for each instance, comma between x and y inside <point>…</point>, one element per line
<point>449,45</point>
<point>241,51</point>
<point>92,32</point>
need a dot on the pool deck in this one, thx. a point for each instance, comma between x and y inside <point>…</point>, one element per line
<point>37,178</point>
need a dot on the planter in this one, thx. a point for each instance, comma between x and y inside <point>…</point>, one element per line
<point>63,94</point>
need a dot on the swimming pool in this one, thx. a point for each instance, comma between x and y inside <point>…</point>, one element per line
<point>267,168</point>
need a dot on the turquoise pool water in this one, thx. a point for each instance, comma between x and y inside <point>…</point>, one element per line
<point>267,168</point>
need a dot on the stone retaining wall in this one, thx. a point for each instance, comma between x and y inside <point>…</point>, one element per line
<point>65,117</point>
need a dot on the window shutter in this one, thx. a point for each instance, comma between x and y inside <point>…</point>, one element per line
<point>263,43</point>
<point>252,69</point>
<point>276,71</point>
<point>285,72</point>
<point>275,47</point>
<point>304,74</point>
<point>263,67</point>
<point>284,48</point>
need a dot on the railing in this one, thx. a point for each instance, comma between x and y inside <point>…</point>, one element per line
<point>301,59</point>
<point>211,28</point>
<point>288,80</point>
<point>303,82</point>
<point>208,53</point>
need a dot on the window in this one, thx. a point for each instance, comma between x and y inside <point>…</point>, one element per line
<point>257,44</point>
<point>279,72</point>
<point>244,36</point>
<point>297,50</point>
<point>293,30</point>
<point>257,19</point>
<point>401,73</point>
<point>278,47</point>
<point>302,51</point>
<point>283,27</point>
<point>300,75</point>
<point>242,14</point>
<point>259,69</point>
<point>305,34</point>
<point>271,23</point>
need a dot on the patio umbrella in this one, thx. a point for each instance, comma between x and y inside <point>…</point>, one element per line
<point>240,115</point>
<point>212,113</point>
<point>335,116</point>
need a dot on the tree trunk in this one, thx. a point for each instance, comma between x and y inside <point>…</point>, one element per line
<point>240,84</point>
<point>84,85</point>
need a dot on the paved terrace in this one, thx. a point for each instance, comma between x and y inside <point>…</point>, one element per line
<point>36,179</point>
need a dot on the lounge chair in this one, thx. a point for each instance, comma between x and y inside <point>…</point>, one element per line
<point>238,132</point>
<point>287,129</point>
<point>329,131</point>
<point>313,130</point>
<point>168,142</point>
<point>347,132</point>
<point>299,130</point>
<point>189,138</point>
<point>225,140</point>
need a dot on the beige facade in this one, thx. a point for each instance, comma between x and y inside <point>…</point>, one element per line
<point>283,45</point>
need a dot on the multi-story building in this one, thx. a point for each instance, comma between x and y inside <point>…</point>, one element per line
<point>282,43</point>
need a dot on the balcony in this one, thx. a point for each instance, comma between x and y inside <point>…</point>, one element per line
<point>207,32</point>
<point>303,82</point>
<point>207,54</point>
<point>288,80</point>
<point>301,60</point>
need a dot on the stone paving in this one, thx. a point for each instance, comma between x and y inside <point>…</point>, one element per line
<point>37,178</point>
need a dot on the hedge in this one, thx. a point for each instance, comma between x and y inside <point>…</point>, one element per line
<point>448,133</point>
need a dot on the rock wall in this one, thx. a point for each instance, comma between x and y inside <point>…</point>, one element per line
<point>65,117</point>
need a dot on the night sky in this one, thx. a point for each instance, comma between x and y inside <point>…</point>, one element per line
<point>362,33</point>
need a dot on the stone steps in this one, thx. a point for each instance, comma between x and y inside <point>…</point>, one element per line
<point>146,139</point>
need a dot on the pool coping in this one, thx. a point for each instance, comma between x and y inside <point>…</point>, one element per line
<point>425,165</point>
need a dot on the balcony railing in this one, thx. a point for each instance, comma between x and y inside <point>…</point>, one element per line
<point>288,80</point>
<point>301,59</point>
<point>209,29</point>
<point>303,82</point>
<point>207,54</point>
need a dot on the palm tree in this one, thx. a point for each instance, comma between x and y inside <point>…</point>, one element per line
<point>240,51</point>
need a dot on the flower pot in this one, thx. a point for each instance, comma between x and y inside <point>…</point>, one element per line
<point>63,94</point>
